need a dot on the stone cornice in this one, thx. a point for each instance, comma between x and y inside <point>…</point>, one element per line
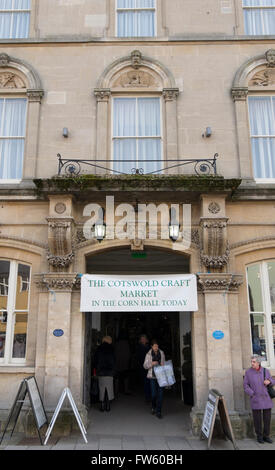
<point>199,38</point>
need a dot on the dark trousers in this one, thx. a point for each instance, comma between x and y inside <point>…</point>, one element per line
<point>258,418</point>
<point>157,395</point>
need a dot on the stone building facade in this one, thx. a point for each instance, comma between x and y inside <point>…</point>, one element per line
<point>214,81</point>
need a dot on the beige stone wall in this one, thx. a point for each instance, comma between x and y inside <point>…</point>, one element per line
<point>96,18</point>
<point>203,72</point>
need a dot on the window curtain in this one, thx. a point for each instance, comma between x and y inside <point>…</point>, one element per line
<point>136,118</point>
<point>12,125</point>
<point>14,24</point>
<point>136,23</point>
<point>259,21</point>
<point>261,113</point>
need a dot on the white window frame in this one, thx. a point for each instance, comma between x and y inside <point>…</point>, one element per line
<point>16,10</point>
<point>136,136</point>
<point>267,311</point>
<point>136,9</point>
<point>11,314</point>
<point>260,8</point>
<point>23,137</point>
<point>252,136</point>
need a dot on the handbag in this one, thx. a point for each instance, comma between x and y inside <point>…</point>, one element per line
<point>270,388</point>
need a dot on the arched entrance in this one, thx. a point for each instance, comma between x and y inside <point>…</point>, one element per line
<point>172,329</point>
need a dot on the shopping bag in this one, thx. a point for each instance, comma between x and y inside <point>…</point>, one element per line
<point>165,374</point>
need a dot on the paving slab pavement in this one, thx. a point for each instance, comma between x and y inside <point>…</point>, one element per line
<point>130,426</point>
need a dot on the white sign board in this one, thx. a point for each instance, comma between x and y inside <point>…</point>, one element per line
<point>139,293</point>
<point>66,393</point>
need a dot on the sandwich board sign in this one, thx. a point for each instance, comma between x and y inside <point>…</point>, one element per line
<point>66,393</point>
<point>216,402</point>
<point>28,387</point>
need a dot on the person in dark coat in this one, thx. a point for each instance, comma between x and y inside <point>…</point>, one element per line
<point>255,385</point>
<point>142,349</point>
<point>104,363</point>
<point>122,366</point>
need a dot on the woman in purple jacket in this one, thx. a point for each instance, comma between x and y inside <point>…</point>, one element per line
<point>255,387</point>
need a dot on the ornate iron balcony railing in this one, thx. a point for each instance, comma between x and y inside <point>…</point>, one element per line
<point>74,167</point>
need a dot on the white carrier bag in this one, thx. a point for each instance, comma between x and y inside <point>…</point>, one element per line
<point>165,374</point>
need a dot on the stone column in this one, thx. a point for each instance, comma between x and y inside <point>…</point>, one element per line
<point>170,97</point>
<point>236,341</point>
<point>102,95</point>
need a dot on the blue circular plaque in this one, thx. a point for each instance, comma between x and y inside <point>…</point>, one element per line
<point>218,334</point>
<point>58,333</point>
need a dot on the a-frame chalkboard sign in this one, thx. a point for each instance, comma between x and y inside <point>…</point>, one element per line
<point>28,387</point>
<point>216,402</point>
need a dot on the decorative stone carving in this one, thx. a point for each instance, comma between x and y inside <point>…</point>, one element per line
<point>170,94</point>
<point>4,60</point>
<point>214,208</point>
<point>61,262</point>
<point>214,246</point>
<point>60,208</point>
<point>135,79</point>
<point>60,253</point>
<point>219,282</point>
<point>102,94</point>
<point>61,282</point>
<point>236,282</point>
<point>137,245</point>
<point>195,236</point>
<point>239,93</point>
<point>136,58</point>
<point>263,78</point>
<point>11,80</point>
<point>270,57</point>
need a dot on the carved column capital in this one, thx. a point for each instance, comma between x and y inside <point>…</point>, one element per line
<point>59,282</point>
<point>219,282</point>
<point>102,95</point>
<point>170,94</point>
<point>35,96</point>
<point>239,93</point>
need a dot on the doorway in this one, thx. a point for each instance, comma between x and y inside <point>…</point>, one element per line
<point>171,329</point>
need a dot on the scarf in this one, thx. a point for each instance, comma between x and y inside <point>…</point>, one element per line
<point>155,357</point>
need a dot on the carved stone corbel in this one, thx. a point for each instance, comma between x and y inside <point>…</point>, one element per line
<point>60,235</point>
<point>214,244</point>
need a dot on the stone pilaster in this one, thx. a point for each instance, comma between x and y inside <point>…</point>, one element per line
<point>57,351</point>
<point>215,287</point>
<point>102,96</point>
